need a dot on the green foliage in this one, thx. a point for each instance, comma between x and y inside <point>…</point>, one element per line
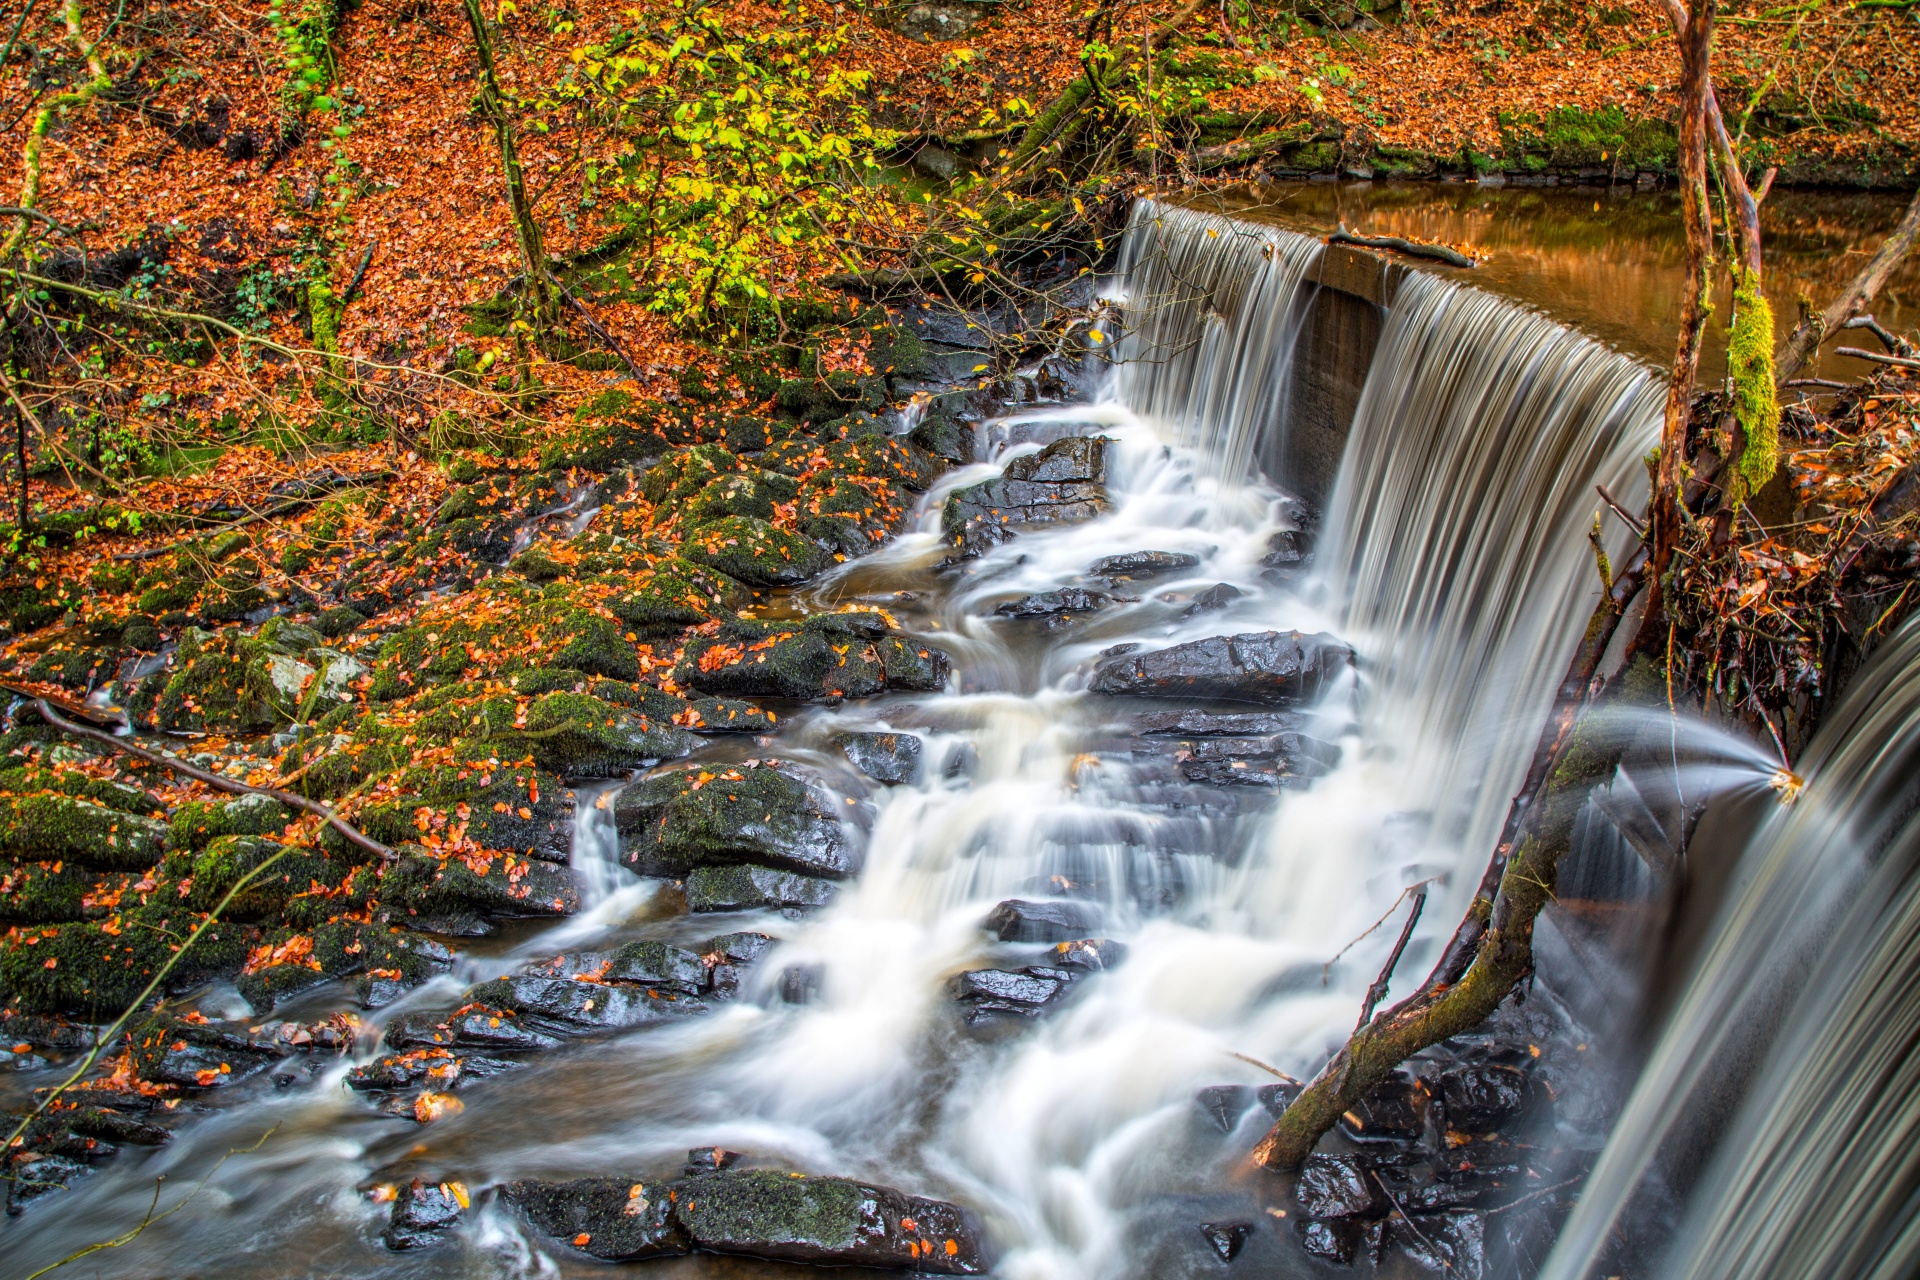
<point>1570,138</point>
<point>771,147</point>
<point>1756,403</point>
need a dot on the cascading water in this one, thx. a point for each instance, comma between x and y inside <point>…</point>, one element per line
<point>1454,559</point>
<point>1803,1006</point>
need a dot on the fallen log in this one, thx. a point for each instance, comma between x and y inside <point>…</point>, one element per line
<point>1798,346</point>
<point>1437,252</point>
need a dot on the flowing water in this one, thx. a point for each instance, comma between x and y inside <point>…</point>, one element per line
<point>1452,556</point>
<point>1775,1126</point>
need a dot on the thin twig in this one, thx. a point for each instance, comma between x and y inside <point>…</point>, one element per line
<point>1270,1070</point>
<point>1419,1235</point>
<point>1613,504</point>
<point>1380,984</point>
<point>1327,968</point>
<point>1858,354</point>
<point>219,781</point>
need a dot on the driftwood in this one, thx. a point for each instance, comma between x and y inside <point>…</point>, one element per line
<point>1897,361</point>
<point>1437,252</point>
<point>219,781</point>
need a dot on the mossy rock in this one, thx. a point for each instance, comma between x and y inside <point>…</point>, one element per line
<point>496,804</point>
<point>764,814</point>
<point>508,628</point>
<point>884,458</point>
<point>50,892</point>
<point>28,602</point>
<point>339,622</point>
<point>730,715</point>
<point>675,595</point>
<point>825,656</point>
<point>75,666</point>
<point>741,493</point>
<point>755,552</point>
<point>453,897</point>
<point>941,436</point>
<point>124,796</point>
<point>225,861</point>
<point>100,967</point>
<point>197,823</point>
<point>226,681</point>
<point>685,472</point>
<point>577,735</point>
<point>636,437</point>
<point>48,827</point>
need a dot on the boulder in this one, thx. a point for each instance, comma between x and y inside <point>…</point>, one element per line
<point>1064,483</point>
<point>763,1213</point>
<point>1226,1239</point>
<point>884,757</point>
<point>35,1176</point>
<point>936,22</point>
<point>196,1054</point>
<point>753,551</point>
<point>757,812</point>
<point>1276,760</point>
<point>37,827</point>
<point>1218,596</point>
<point>1054,604</point>
<point>743,888</point>
<point>832,655</point>
<point>1268,667</point>
<point>1338,1187</point>
<point>613,1219</point>
<point>562,1006</point>
<point>729,715</point>
<point>1137,565</point>
<point>421,1211</point>
<point>454,895</point>
<point>1016,920</point>
<point>1224,1104</point>
<point>1482,1096</point>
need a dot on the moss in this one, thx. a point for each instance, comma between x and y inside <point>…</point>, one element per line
<point>743,493</point>
<point>507,628</point>
<point>199,822</point>
<point>64,827</point>
<point>580,736</point>
<point>224,681</point>
<point>755,552</point>
<point>453,893</point>
<point>493,802</point>
<point>676,594</point>
<point>49,892</point>
<point>76,667</point>
<point>828,655</point>
<point>339,622</point>
<point>1756,403</point>
<point>25,779</point>
<point>226,860</point>
<point>685,472</point>
<point>99,967</point>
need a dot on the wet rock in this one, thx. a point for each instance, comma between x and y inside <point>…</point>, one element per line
<point>1338,1187</point>
<point>750,550</point>
<point>1003,985</point>
<point>708,1160</point>
<point>1138,565</point>
<point>1335,1240</point>
<point>936,22</point>
<point>745,888</point>
<point>1089,954</point>
<point>1480,1097</point>
<point>1016,920</point>
<point>800,983</point>
<point>197,1054</point>
<point>1450,1243</point>
<point>1391,1111</point>
<point>473,1027</point>
<point>82,830</point>
<point>1224,1104</point>
<point>729,715</point>
<point>564,1006</point>
<point>763,1213</point>
<point>943,436</point>
<point>1278,760</point>
<point>758,812</point>
<point>1217,596</point>
<point>884,757</point>
<point>435,1068</point>
<point>1288,548</point>
<point>738,948</point>
<point>1232,724</point>
<point>35,1176</point>
<point>836,655</point>
<point>1063,483</point>
<point>1227,1238</point>
<point>1053,604</point>
<point>454,897</point>
<point>1260,667</point>
<point>1278,1096</point>
<point>421,1211</point>
<point>613,1219</point>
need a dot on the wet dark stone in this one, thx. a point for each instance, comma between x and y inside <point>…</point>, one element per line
<point>1052,604</point>
<point>800,983</point>
<point>1481,1096</point>
<point>1452,1243</point>
<point>1277,760</point>
<point>750,888</point>
<point>612,1219</point>
<point>1016,920</point>
<point>476,1029</point>
<point>738,948</point>
<point>1231,724</point>
<point>657,964</point>
<point>1227,1238</point>
<point>564,1005</point>
<point>1338,1187</point>
<point>1005,985</point>
<point>1278,1096</point>
<point>1217,596</point>
<point>1225,1104</point>
<point>1143,564</point>
<point>421,1211</point>
<point>440,1069</point>
<point>1091,954</point>
<point>944,436</point>
<point>1287,548</point>
<point>1390,1112</point>
<point>1063,483</point>
<point>1336,1240</point>
<point>175,1051</point>
<point>1259,667</point>
<point>708,1160</point>
<point>34,1177</point>
<point>884,757</point>
<point>763,1213</point>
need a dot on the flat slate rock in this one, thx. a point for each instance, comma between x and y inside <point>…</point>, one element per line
<point>777,816</point>
<point>1228,724</point>
<point>743,888</point>
<point>1016,920</point>
<point>884,757</point>
<point>1064,483</point>
<point>1265,667</point>
<point>757,1213</point>
<point>1143,564</point>
<point>1054,604</point>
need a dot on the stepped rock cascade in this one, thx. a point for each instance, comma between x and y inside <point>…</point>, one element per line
<point>1802,1009</point>
<point>1115,852</point>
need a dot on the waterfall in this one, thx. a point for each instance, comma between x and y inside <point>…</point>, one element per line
<point>1213,310</point>
<point>1456,535</point>
<point>1807,989</point>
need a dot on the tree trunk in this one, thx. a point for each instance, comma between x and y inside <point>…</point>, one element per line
<point>526,230</point>
<point>1798,347</point>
